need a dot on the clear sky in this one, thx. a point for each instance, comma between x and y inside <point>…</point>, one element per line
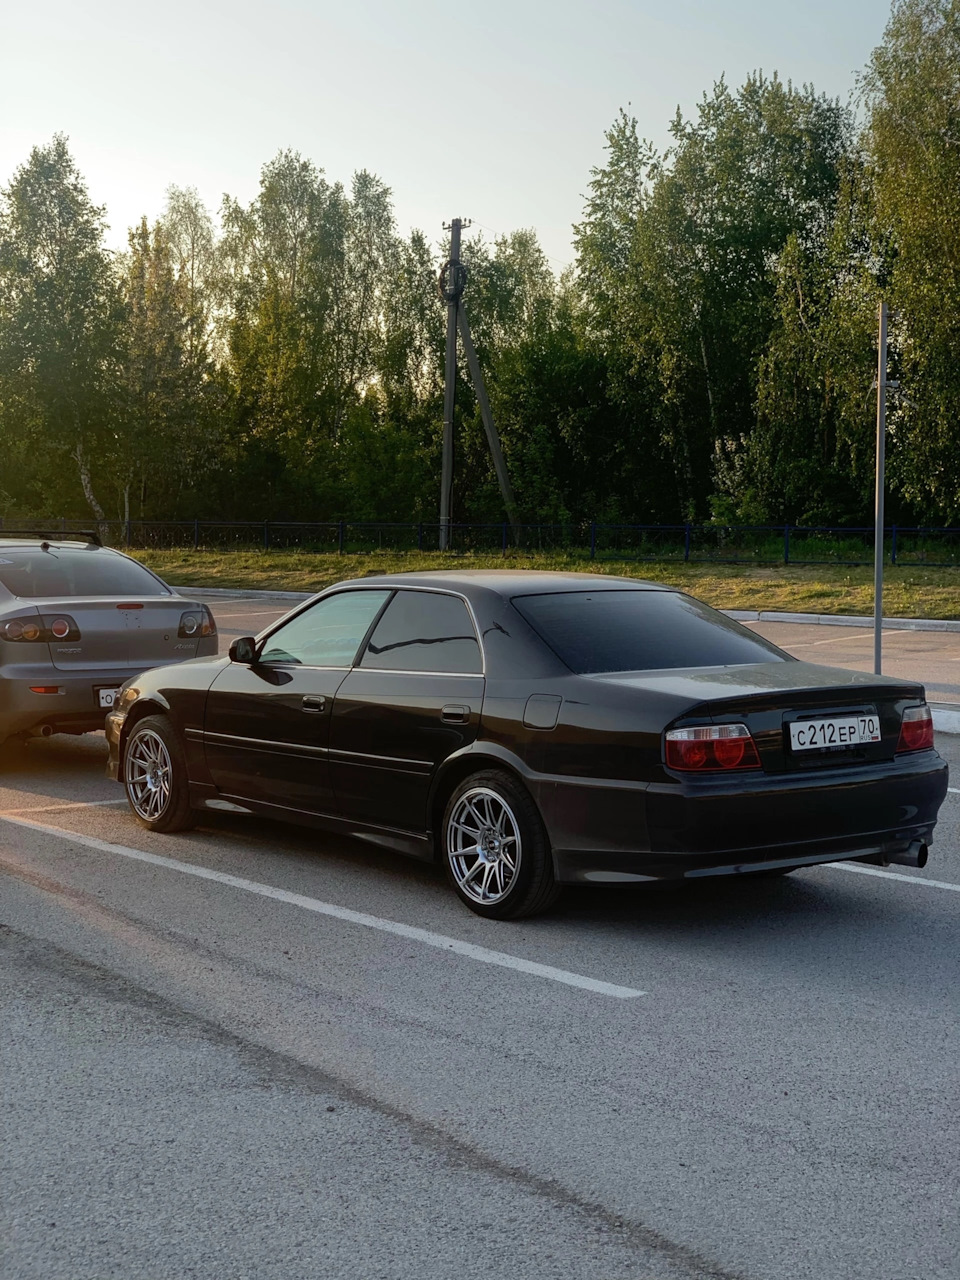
<point>492,111</point>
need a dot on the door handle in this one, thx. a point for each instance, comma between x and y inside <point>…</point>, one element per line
<point>313,702</point>
<point>454,713</point>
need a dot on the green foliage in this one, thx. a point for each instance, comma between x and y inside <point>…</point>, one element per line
<point>912,144</point>
<point>711,353</point>
<point>753,170</point>
<point>61,367</point>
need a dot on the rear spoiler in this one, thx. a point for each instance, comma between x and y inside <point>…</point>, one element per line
<point>60,535</point>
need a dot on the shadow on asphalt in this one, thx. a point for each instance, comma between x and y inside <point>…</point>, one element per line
<point>51,767</point>
<point>867,926</point>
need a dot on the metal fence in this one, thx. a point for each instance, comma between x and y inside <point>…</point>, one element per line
<point>687,543</point>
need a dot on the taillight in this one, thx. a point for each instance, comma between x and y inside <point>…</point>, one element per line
<point>197,622</point>
<point>916,729</point>
<point>712,746</point>
<point>28,629</point>
<point>57,626</point>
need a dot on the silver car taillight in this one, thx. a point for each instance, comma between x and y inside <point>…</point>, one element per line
<point>42,630</point>
<point>197,622</point>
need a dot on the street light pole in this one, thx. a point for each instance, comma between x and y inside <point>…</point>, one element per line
<point>452,288</point>
<point>878,515</point>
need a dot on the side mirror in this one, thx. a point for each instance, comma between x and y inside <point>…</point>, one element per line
<point>244,649</point>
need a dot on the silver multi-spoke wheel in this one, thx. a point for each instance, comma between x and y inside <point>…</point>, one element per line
<point>483,845</point>
<point>148,774</point>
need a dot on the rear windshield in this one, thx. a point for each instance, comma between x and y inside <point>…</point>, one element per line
<point>72,571</point>
<point>594,631</point>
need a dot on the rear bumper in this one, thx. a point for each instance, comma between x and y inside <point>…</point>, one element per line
<point>74,709</point>
<point>726,825</point>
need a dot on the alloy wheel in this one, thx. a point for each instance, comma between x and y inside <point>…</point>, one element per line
<point>147,773</point>
<point>483,845</point>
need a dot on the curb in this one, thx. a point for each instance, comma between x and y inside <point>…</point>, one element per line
<point>946,717</point>
<point>844,620</point>
<point>227,593</point>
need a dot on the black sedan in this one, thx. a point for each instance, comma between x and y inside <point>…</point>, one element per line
<point>534,729</point>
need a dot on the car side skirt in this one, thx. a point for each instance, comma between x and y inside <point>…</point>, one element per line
<point>204,796</point>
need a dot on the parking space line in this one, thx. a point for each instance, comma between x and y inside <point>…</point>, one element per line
<point>810,644</point>
<point>890,875</point>
<point>954,791</point>
<point>71,804</point>
<point>443,943</point>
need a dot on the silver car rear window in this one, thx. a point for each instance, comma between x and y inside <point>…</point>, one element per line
<point>69,571</point>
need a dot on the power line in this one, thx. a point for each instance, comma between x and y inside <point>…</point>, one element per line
<point>503,235</point>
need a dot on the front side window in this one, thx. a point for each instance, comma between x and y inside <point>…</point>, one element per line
<point>328,634</point>
<point>424,631</point>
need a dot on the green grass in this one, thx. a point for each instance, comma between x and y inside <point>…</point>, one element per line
<point>909,591</point>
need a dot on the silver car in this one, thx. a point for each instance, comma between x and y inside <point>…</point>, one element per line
<point>77,619</point>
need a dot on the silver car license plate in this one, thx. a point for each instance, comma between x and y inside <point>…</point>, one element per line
<point>108,697</point>
<point>837,731</point>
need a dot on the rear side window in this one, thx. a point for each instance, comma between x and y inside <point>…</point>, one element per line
<point>70,571</point>
<point>423,631</point>
<point>594,631</point>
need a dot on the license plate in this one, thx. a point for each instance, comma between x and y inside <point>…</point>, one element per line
<point>838,731</point>
<point>107,696</point>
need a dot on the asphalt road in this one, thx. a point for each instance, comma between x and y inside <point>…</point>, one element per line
<point>212,1068</point>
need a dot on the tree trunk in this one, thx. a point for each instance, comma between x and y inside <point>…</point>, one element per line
<point>706,374</point>
<point>88,493</point>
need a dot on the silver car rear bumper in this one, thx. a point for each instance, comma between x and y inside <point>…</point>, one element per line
<point>74,708</point>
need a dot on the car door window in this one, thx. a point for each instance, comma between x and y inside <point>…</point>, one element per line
<point>328,634</point>
<point>424,631</point>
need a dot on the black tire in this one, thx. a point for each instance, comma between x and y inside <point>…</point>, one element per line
<point>494,807</point>
<point>154,774</point>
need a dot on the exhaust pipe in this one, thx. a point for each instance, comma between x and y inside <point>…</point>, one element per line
<point>915,855</point>
<point>41,731</point>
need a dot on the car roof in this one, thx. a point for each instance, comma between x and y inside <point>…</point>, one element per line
<point>507,582</point>
<point>34,544</point>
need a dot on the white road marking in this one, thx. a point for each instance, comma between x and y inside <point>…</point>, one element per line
<point>809,644</point>
<point>954,791</point>
<point>891,875</point>
<point>72,804</point>
<point>425,936</point>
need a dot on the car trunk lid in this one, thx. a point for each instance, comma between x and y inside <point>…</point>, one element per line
<point>118,632</point>
<point>769,697</point>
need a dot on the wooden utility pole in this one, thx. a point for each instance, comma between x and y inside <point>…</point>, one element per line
<point>489,426</point>
<point>453,279</point>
